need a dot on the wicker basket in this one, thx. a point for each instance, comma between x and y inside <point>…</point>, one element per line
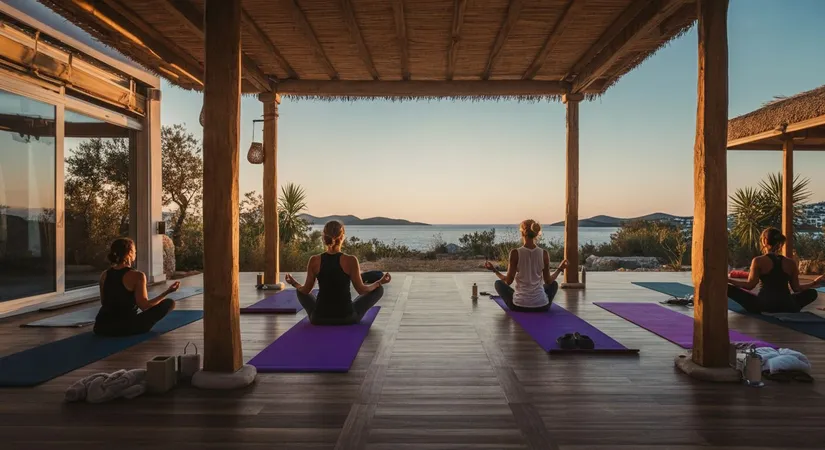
<point>256,153</point>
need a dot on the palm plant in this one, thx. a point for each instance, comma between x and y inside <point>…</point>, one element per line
<point>756,209</point>
<point>290,205</point>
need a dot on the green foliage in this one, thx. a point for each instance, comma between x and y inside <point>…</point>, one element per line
<point>189,256</point>
<point>374,249</point>
<point>251,233</point>
<point>290,205</point>
<point>182,175</point>
<point>478,243</point>
<point>756,209</point>
<point>168,256</point>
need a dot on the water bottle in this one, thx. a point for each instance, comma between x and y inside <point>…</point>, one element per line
<point>584,275</point>
<point>753,369</point>
<point>475,292</point>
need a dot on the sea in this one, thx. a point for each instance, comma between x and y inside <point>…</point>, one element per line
<point>423,237</point>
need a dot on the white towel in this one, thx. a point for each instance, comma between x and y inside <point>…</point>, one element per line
<point>103,387</point>
<point>784,359</point>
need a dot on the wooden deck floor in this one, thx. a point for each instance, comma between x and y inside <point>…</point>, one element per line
<point>437,371</point>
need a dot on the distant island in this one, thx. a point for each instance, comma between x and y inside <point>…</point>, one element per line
<point>608,221</point>
<point>352,220</point>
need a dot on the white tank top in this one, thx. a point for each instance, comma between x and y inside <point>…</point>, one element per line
<point>529,280</point>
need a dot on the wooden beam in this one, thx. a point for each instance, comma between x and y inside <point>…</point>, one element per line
<point>758,146</point>
<point>401,35</point>
<point>608,36</point>
<point>166,48</point>
<point>301,20</point>
<point>640,27</point>
<point>571,214</point>
<point>710,233</point>
<point>570,11</point>
<point>355,32</point>
<point>257,33</point>
<point>510,20</point>
<point>457,88</point>
<point>459,6</point>
<point>221,160</point>
<point>188,16</point>
<point>787,195</point>
<point>271,232</point>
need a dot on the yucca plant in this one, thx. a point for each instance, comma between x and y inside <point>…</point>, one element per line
<point>291,204</point>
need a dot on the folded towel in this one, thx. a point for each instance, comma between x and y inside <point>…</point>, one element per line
<point>103,387</point>
<point>783,360</point>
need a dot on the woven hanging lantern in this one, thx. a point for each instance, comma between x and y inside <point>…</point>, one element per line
<point>255,155</point>
<point>200,119</point>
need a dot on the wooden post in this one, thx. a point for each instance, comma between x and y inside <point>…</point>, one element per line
<point>571,217</point>
<point>710,234</point>
<point>221,158</point>
<point>271,236</point>
<point>787,195</point>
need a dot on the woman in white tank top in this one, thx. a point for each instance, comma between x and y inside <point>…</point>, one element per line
<point>530,268</point>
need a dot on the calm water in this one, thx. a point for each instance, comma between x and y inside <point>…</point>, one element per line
<point>419,237</point>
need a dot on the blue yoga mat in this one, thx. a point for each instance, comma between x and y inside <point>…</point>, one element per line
<point>40,364</point>
<point>803,324</point>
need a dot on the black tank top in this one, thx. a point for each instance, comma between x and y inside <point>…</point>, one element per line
<point>334,299</point>
<point>775,283</point>
<point>117,302</point>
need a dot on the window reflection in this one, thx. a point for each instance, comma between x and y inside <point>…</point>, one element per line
<point>27,197</point>
<point>97,188</point>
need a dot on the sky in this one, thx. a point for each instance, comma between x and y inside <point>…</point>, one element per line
<point>458,162</point>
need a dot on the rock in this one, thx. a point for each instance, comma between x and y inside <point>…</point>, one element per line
<point>452,249</point>
<point>611,263</point>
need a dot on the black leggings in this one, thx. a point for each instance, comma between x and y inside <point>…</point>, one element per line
<point>757,305</point>
<point>506,293</point>
<point>360,304</point>
<point>139,324</point>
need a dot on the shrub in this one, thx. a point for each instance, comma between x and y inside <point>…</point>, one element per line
<point>478,243</point>
<point>168,256</point>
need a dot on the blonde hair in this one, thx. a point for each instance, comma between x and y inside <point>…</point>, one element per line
<point>333,232</point>
<point>530,229</point>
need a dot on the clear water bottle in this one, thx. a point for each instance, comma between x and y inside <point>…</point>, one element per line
<point>584,275</point>
<point>475,292</point>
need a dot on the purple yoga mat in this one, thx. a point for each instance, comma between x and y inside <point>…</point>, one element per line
<point>546,327</point>
<point>282,302</point>
<point>315,348</point>
<point>667,323</point>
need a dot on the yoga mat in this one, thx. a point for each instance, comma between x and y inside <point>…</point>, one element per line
<point>811,328</point>
<point>282,302</point>
<point>40,364</point>
<point>315,348</point>
<point>546,327</point>
<point>86,316</point>
<point>667,323</point>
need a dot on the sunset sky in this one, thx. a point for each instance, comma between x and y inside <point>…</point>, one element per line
<point>500,162</point>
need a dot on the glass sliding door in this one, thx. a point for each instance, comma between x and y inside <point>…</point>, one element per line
<point>27,197</point>
<point>98,204</point>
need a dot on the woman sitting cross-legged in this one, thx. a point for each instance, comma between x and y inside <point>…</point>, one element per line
<point>775,273</point>
<point>335,271</point>
<point>125,305</point>
<point>530,268</point>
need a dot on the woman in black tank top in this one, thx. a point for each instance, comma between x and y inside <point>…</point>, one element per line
<point>335,272</point>
<point>776,276</point>
<point>125,308</point>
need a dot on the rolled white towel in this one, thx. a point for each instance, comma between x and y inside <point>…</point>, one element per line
<point>102,387</point>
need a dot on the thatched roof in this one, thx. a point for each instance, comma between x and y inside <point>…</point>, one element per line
<point>527,49</point>
<point>795,115</point>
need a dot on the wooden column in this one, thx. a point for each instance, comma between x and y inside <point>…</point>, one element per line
<point>571,215</point>
<point>271,235</point>
<point>221,158</point>
<point>710,234</point>
<point>787,195</point>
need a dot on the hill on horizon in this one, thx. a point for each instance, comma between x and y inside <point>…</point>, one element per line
<point>353,220</point>
<point>609,221</point>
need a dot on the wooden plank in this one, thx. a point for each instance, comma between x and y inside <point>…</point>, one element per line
<point>401,34</point>
<point>422,88</point>
<point>271,232</point>
<point>188,16</point>
<point>256,32</point>
<point>571,214</point>
<point>608,36</point>
<point>651,16</point>
<point>459,6</point>
<point>513,12</point>
<point>355,32</point>
<point>571,10</point>
<point>787,195</point>
<point>710,233</point>
<point>221,160</point>
<point>317,49</point>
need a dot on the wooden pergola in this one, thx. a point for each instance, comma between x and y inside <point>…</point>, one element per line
<point>568,50</point>
<point>790,124</point>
